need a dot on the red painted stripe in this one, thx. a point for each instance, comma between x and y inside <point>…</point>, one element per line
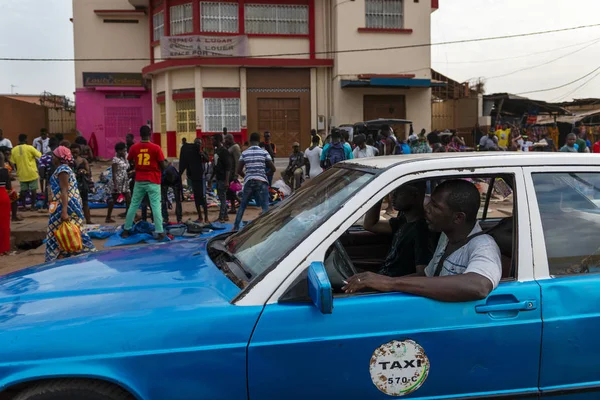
<point>141,12</point>
<point>206,134</point>
<point>180,2</point>
<point>241,17</point>
<point>435,4</point>
<point>167,25</point>
<point>171,144</point>
<point>151,26</point>
<point>160,99</point>
<point>156,138</point>
<point>238,61</point>
<point>184,96</point>
<point>233,94</point>
<point>244,135</point>
<point>277,35</point>
<point>311,29</point>
<point>196,14</point>
<point>384,30</point>
<point>198,133</point>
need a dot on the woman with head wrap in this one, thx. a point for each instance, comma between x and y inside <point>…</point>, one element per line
<point>65,205</point>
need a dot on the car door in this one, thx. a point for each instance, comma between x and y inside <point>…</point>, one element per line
<point>565,223</point>
<point>381,344</point>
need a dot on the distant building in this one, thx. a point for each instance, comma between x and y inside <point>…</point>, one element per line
<point>248,65</point>
<point>29,113</point>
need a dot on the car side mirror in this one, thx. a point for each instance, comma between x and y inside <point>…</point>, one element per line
<point>319,288</point>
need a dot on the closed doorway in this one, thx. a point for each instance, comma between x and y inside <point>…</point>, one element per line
<point>386,106</point>
<point>282,118</point>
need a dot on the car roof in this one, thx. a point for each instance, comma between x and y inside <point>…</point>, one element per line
<point>485,159</point>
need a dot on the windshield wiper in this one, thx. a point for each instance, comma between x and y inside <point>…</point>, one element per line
<point>218,246</point>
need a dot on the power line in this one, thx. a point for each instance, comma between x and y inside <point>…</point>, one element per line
<point>516,57</point>
<point>543,64</point>
<point>322,52</point>
<point>561,86</point>
<point>577,88</point>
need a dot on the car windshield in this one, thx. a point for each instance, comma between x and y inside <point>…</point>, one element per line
<point>274,234</point>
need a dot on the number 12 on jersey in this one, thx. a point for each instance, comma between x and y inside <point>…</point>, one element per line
<point>143,159</point>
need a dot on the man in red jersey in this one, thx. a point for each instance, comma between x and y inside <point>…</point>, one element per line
<point>148,161</point>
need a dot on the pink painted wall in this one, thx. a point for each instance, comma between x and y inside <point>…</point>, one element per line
<point>111,118</point>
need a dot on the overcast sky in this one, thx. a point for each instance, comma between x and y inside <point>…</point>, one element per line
<point>41,28</point>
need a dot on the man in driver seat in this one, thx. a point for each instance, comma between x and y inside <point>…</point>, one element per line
<point>413,243</point>
<point>466,265</point>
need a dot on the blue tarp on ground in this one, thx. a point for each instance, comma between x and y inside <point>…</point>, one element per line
<point>96,206</point>
<point>140,234</point>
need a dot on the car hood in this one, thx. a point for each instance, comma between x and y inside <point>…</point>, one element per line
<point>142,299</point>
<point>181,264</point>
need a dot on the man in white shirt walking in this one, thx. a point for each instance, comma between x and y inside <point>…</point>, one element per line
<point>466,265</point>
<point>312,157</point>
<point>42,143</point>
<point>362,149</point>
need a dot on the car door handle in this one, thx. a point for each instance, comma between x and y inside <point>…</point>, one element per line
<point>526,305</point>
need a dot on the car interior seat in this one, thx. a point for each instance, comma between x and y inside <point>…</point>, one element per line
<point>503,235</point>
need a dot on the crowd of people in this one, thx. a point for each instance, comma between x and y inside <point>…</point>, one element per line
<point>141,175</point>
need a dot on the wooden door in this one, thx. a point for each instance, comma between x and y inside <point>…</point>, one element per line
<point>386,106</point>
<point>281,117</point>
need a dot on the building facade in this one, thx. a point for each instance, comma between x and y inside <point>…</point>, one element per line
<point>287,66</point>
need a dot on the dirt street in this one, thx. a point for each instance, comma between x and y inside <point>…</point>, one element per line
<point>33,229</point>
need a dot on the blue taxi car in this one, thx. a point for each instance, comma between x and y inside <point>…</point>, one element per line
<point>260,314</point>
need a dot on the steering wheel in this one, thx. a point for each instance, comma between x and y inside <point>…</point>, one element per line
<point>343,264</point>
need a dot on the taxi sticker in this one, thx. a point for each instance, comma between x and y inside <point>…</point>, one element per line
<point>399,367</point>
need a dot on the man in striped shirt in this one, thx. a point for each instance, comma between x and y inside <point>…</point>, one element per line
<point>256,161</point>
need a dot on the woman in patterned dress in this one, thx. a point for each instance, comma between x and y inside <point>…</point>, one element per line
<point>119,182</point>
<point>65,205</point>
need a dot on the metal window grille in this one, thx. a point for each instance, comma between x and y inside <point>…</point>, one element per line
<point>186,116</point>
<point>280,19</point>
<point>182,19</point>
<point>222,113</point>
<point>218,16</point>
<point>384,14</point>
<point>163,118</point>
<point>159,25</point>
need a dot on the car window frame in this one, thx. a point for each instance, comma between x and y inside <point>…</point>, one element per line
<point>398,176</point>
<point>540,256</point>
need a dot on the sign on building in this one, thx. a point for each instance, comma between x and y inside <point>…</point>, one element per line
<point>113,79</point>
<point>204,46</point>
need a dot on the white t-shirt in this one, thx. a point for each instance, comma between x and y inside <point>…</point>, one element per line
<point>42,145</point>
<point>314,159</point>
<point>368,151</point>
<point>481,256</point>
<point>6,143</point>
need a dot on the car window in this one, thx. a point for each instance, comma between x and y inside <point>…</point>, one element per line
<point>369,252</point>
<point>569,210</point>
<point>274,234</point>
<point>500,206</point>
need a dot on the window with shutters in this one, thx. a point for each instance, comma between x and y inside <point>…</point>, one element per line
<point>222,113</point>
<point>159,25</point>
<point>384,14</point>
<point>186,116</point>
<point>277,19</point>
<point>218,16</point>
<point>182,19</point>
<point>163,118</point>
